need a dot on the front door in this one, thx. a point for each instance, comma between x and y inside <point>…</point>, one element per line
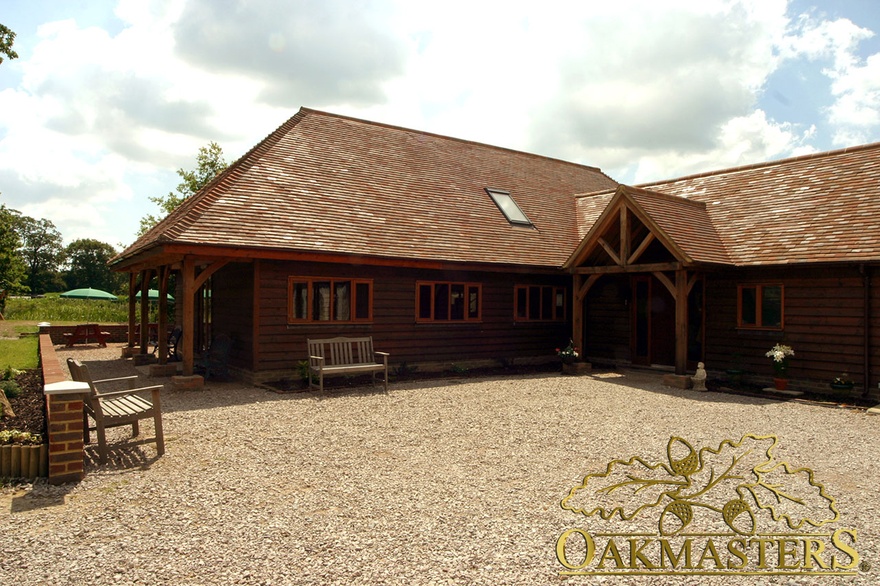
<point>653,319</point>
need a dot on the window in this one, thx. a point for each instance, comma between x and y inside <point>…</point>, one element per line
<point>317,299</point>
<point>539,303</point>
<point>508,207</point>
<point>448,301</point>
<point>760,306</point>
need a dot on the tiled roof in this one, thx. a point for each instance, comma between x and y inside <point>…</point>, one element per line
<point>816,208</point>
<point>686,222</point>
<point>328,183</point>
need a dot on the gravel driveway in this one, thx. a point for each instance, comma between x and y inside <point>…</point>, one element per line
<point>454,481</point>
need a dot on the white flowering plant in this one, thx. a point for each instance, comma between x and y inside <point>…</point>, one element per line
<point>780,353</point>
<point>570,352</point>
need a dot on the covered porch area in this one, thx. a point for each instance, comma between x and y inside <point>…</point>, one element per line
<point>186,275</point>
<point>639,279</point>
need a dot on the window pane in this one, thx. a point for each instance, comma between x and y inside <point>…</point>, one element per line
<point>509,207</point>
<point>342,300</point>
<point>441,301</point>
<point>300,300</point>
<point>473,302</point>
<point>534,303</point>
<point>424,301</point>
<point>771,307</point>
<point>321,302</point>
<point>749,306</point>
<point>521,302</point>
<point>560,304</point>
<point>362,301</point>
<point>456,306</point>
<point>547,303</point>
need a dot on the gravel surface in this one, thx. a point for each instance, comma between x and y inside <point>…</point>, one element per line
<point>450,481</point>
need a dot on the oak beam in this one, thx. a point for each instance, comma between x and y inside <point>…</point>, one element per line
<point>132,321</point>
<point>681,314</point>
<point>188,276</point>
<point>610,251</point>
<point>162,322</point>
<point>146,276</point>
<point>647,268</point>
<point>641,248</point>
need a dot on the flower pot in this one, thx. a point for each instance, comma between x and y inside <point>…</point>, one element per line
<point>842,386</point>
<point>780,383</point>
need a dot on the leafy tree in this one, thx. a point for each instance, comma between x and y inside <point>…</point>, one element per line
<point>210,163</point>
<point>43,253</point>
<point>6,39</point>
<point>87,266</point>
<point>12,267</point>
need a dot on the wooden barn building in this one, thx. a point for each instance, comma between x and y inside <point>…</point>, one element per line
<point>450,252</point>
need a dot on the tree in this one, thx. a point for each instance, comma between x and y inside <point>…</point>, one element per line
<point>12,267</point>
<point>87,266</point>
<point>210,163</point>
<point>43,254</point>
<point>6,39</point>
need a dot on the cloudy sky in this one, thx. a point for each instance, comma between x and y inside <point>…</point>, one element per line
<point>108,98</point>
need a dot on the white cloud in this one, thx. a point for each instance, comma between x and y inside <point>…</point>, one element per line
<point>646,90</point>
<point>855,83</point>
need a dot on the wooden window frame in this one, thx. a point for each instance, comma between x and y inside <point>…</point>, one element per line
<point>555,291</point>
<point>759,300</point>
<point>309,282</point>
<point>466,318</point>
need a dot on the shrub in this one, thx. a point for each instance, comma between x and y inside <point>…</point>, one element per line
<point>10,388</point>
<point>21,438</point>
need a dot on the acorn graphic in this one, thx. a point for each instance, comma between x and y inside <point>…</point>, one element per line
<point>733,516</point>
<point>675,517</point>
<point>686,465</point>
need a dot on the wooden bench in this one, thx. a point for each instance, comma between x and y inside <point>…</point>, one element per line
<point>332,356</point>
<point>85,332</point>
<point>115,408</point>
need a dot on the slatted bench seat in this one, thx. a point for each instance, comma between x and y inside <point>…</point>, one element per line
<point>115,408</point>
<point>331,356</point>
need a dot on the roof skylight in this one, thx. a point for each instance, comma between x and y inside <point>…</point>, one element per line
<point>508,207</point>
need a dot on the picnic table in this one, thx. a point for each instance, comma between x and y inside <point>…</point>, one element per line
<point>85,332</point>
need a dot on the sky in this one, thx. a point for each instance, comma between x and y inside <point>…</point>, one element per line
<point>109,98</point>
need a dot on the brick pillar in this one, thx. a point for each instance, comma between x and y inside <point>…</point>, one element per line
<point>64,409</point>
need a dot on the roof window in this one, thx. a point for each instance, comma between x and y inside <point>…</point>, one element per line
<point>508,207</point>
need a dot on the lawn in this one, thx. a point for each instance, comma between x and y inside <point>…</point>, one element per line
<point>15,351</point>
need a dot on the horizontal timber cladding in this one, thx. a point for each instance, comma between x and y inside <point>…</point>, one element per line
<point>232,299</point>
<point>824,322</point>
<point>496,336</point>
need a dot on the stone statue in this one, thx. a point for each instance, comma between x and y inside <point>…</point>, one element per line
<point>699,379</point>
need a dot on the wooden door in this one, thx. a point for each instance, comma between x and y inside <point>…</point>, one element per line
<point>653,322</point>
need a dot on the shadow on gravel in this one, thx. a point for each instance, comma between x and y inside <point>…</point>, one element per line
<point>40,496</point>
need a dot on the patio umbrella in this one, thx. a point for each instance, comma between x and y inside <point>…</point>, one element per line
<point>89,293</point>
<point>153,294</point>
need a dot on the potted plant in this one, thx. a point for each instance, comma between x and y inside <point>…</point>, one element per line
<point>842,382</point>
<point>780,353</point>
<point>569,354</point>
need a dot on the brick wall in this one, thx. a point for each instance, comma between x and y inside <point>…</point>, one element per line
<point>64,411</point>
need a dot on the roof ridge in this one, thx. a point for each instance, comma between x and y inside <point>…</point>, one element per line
<point>659,194</point>
<point>752,166</point>
<point>453,138</point>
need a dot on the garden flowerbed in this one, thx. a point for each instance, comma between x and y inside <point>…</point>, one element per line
<point>29,406</point>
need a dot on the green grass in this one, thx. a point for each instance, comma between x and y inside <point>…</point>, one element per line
<point>18,353</point>
<point>55,309</point>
